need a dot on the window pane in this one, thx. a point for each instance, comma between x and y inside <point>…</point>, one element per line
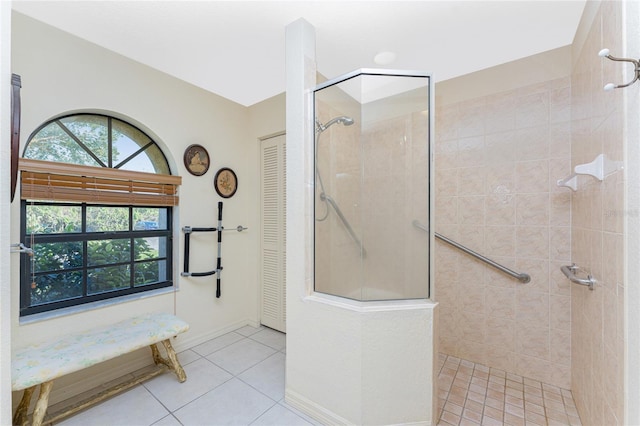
<point>53,219</point>
<point>150,248</point>
<point>150,272</point>
<point>149,218</point>
<point>151,160</point>
<point>106,252</point>
<point>126,140</point>
<point>104,219</point>
<point>57,256</point>
<point>101,280</point>
<point>52,143</point>
<point>55,287</point>
<point>92,131</point>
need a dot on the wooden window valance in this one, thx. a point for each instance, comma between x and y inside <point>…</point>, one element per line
<point>51,181</point>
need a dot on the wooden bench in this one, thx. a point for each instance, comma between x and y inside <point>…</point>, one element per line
<point>40,364</point>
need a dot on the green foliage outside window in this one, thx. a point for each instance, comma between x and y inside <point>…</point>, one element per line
<point>58,267</point>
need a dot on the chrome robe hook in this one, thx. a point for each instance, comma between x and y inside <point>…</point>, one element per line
<point>604,53</point>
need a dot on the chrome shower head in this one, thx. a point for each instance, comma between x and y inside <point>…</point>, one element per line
<point>343,119</point>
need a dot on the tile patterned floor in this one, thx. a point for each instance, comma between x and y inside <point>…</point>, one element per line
<point>473,394</point>
<point>237,378</point>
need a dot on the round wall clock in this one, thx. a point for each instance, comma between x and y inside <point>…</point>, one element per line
<point>196,160</point>
<point>225,182</point>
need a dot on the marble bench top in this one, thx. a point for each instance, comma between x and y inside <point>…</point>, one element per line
<point>46,361</point>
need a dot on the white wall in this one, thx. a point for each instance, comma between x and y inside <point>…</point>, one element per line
<point>63,74</point>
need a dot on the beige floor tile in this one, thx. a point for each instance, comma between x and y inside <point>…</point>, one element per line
<point>473,405</point>
<point>479,382</point>
<point>494,403</point>
<point>450,418</point>
<point>468,422</point>
<point>489,421</point>
<point>457,390</point>
<point>513,400</point>
<point>535,418</point>
<point>493,412</point>
<point>480,395</point>
<point>478,389</point>
<point>535,408</point>
<point>495,394</point>
<point>532,390</point>
<point>515,385</point>
<point>453,408</point>
<point>512,409</point>
<point>457,399</point>
<point>472,415</point>
<point>511,420</point>
<point>496,386</point>
<point>514,392</point>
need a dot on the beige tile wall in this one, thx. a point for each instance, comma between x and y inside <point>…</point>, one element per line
<point>597,224</point>
<point>497,160</point>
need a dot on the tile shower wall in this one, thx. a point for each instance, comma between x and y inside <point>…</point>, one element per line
<point>597,224</point>
<point>497,159</point>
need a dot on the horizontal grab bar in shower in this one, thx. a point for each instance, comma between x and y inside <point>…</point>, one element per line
<point>522,277</point>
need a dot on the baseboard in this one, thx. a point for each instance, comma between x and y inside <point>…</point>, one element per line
<point>185,341</point>
<point>325,416</point>
<point>314,410</point>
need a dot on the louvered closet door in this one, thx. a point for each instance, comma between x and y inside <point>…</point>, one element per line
<point>273,233</point>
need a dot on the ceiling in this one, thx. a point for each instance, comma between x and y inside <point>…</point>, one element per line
<point>236,49</point>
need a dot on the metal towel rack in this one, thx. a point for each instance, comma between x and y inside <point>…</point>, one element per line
<point>522,277</point>
<point>570,272</point>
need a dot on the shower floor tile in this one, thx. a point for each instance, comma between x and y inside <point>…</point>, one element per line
<point>473,394</point>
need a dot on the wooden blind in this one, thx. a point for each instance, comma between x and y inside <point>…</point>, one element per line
<point>51,181</point>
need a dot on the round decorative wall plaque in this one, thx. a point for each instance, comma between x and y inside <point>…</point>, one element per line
<point>196,160</point>
<point>226,182</point>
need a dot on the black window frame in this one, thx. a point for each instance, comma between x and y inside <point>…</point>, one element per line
<point>27,275</point>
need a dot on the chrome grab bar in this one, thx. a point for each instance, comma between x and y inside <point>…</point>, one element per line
<point>345,222</point>
<point>570,272</point>
<point>522,277</point>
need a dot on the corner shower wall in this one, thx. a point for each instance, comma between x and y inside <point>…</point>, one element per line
<point>597,228</point>
<point>497,158</point>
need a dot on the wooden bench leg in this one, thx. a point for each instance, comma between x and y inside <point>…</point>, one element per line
<point>172,363</point>
<point>177,368</point>
<point>20,416</point>
<point>42,403</point>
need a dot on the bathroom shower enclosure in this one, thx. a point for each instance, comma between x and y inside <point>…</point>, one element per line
<point>372,172</point>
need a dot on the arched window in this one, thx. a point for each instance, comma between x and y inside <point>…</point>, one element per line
<point>97,199</point>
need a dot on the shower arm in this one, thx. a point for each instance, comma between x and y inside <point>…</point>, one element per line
<point>345,222</point>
